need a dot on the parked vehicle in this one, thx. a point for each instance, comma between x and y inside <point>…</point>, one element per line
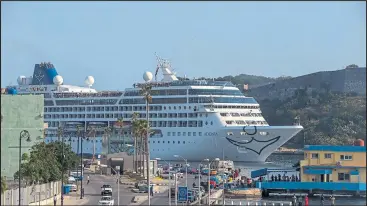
<point>173,192</point>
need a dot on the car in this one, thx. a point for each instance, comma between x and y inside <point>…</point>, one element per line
<point>196,190</point>
<point>106,190</point>
<point>106,200</point>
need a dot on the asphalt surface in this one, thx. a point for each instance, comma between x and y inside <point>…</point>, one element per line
<point>162,198</point>
<point>92,191</point>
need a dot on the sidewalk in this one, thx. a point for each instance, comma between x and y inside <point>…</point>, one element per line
<point>72,200</point>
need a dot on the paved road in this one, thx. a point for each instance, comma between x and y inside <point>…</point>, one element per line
<point>162,198</point>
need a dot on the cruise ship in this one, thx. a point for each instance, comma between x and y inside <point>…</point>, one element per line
<point>195,119</point>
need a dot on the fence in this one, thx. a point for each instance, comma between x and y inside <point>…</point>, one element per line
<point>31,194</point>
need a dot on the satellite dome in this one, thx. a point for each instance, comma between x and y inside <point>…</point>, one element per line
<point>20,80</point>
<point>58,80</point>
<point>89,80</point>
<point>148,76</point>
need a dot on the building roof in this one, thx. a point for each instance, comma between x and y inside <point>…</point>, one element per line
<point>335,148</point>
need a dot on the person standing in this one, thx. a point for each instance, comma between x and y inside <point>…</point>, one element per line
<point>294,199</point>
<point>306,200</point>
<point>151,191</point>
<point>55,199</point>
<point>332,198</point>
<point>322,199</point>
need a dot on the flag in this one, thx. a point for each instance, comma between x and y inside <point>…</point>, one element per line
<point>245,86</point>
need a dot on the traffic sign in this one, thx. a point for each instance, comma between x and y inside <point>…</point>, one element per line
<point>182,194</point>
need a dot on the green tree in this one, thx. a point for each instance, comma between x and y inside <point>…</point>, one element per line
<point>45,162</point>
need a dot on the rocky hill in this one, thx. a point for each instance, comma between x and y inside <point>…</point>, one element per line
<point>331,104</point>
<point>349,80</point>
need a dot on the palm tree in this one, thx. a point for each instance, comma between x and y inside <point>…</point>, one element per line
<point>106,137</point>
<point>135,131</point>
<point>146,90</point>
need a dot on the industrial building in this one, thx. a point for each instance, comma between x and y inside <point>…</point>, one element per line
<point>18,113</point>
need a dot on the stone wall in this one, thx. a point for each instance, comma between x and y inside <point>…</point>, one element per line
<point>31,194</point>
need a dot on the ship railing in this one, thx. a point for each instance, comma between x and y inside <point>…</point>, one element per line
<point>82,95</point>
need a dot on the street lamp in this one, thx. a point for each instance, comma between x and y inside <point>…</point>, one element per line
<point>178,156</point>
<point>216,159</point>
<point>25,135</point>
<point>200,181</point>
<point>169,180</point>
<point>60,133</point>
<point>81,164</point>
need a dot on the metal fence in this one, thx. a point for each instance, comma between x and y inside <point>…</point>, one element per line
<point>31,194</point>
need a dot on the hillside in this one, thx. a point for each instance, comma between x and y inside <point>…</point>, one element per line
<point>331,104</point>
<point>328,118</point>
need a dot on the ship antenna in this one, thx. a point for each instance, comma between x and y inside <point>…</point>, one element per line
<point>159,60</point>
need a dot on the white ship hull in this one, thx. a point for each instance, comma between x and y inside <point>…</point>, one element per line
<point>199,148</point>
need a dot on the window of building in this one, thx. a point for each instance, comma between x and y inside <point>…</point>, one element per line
<point>343,176</point>
<point>327,155</point>
<point>315,156</point>
<point>346,157</point>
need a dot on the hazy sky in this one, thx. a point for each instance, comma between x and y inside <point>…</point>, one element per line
<point>116,41</point>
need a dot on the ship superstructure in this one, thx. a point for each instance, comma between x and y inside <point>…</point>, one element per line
<point>196,119</point>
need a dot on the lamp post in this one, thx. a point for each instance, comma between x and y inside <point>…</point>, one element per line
<point>169,180</point>
<point>200,181</point>
<point>216,159</point>
<point>81,165</point>
<point>25,135</point>
<point>178,156</point>
<point>60,133</point>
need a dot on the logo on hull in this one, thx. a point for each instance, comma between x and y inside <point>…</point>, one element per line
<point>255,141</point>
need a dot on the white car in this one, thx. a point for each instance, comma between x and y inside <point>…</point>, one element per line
<point>106,200</point>
<point>106,190</point>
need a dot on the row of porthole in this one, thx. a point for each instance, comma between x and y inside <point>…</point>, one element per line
<point>168,142</point>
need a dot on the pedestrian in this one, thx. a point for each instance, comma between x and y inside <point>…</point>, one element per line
<point>322,199</point>
<point>306,200</point>
<point>300,201</point>
<point>55,199</point>
<point>151,191</point>
<point>294,199</point>
<point>332,198</point>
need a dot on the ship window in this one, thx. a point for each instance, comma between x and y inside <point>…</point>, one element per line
<point>163,142</point>
<point>211,123</point>
<point>178,133</point>
<point>206,123</point>
<point>229,133</point>
<point>264,133</point>
<point>173,133</point>
<point>184,107</point>
<point>179,107</point>
<point>153,142</point>
<point>194,134</point>
<point>148,141</point>
<point>183,133</point>
<point>189,134</point>
<point>200,133</point>
<point>168,133</point>
<point>169,107</point>
<point>178,142</point>
<point>183,142</point>
<point>168,142</point>
<point>173,142</point>
<point>158,142</point>
<point>174,107</point>
<point>164,107</point>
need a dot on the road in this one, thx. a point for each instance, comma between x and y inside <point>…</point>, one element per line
<point>92,191</point>
<point>162,198</point>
